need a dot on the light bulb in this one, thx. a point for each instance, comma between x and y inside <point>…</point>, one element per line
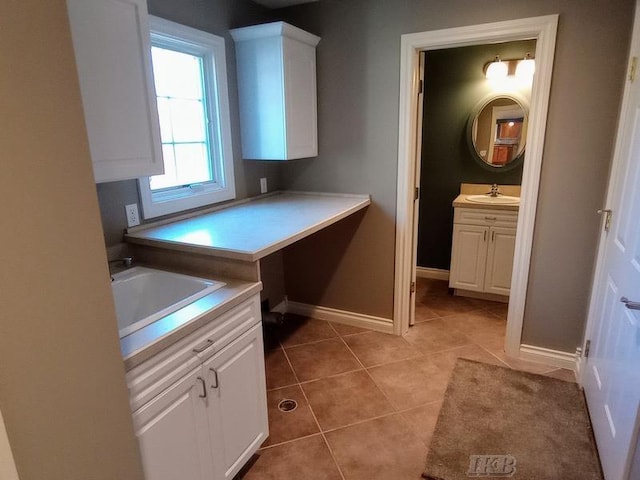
<point>526,68</point>
<point>497,70</point>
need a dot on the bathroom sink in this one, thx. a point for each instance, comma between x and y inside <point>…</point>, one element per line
<point>143,295</point>
<point>499,200</point>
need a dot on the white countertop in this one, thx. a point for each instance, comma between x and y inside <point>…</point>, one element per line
<point>253,229</point>
<point>461,201</point>
<point>146,342</point>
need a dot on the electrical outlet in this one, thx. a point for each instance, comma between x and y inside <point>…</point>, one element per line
<point>133,218</point>
<point>263,185</point>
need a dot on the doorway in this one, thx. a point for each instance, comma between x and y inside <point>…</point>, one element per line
<point>466,119</point>
<point>543,30</point>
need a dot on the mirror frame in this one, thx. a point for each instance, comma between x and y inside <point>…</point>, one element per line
<point>519,159</point>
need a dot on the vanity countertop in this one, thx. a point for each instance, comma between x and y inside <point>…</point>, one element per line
<point>252,229</point>
<point>155,337</point>
<point>467,189</point>
<point>462,202</point>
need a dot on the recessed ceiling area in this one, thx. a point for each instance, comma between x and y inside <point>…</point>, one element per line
<point>281,3</point>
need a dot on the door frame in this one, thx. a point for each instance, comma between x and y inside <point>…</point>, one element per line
<point>543,29</point>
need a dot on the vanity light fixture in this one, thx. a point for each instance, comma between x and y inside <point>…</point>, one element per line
<point>497,69</point>
<point>526,68</point>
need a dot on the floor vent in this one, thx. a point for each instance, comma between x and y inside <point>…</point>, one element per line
<point>287,405</point>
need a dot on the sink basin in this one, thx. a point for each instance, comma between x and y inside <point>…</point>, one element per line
<point>499,200</point>
<point>143,295</point>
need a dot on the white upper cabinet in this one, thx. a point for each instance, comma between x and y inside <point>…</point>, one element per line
<point>111,44</point>
<point>277,88</point>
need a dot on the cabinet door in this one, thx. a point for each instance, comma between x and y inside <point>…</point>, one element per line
<point>502,243</point>
<point>237,402</point>
<point>173,433</point>
<point>468,257</point>
<point>300,99</point>
<point>111,44</point>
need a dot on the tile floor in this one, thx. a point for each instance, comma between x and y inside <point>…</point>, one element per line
<point>367,401</point>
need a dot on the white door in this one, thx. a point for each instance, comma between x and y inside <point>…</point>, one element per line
<point>502,246</point>
<point>612,372</point>
<point>237,402</point>
<point>173,434</point>
<point>468,257</point>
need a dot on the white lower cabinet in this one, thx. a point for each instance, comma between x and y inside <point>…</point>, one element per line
<point>500,254</point>
<point>209,422</point>
<point>237,414</point>
<point>468,257</point>
<point>482,251</point>
<point>173,433</point>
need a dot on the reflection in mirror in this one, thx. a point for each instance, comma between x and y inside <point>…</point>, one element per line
<point>499,130</point>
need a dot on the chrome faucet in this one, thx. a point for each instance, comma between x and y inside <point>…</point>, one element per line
<point>124,261</point>
<point>494,191</point>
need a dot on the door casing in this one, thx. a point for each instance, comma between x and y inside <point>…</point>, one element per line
<point>543,29</point>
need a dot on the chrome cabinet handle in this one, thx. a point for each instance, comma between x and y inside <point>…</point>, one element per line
<point>204,388</point>
<point>203,347</point>
<point>629,304</point>
<point>215,376</point>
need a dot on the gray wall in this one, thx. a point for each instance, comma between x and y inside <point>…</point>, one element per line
<point>454,84</point>
<point>216,17</point>
<point>358,81</point>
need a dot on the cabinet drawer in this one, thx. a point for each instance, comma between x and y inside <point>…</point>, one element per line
<point>485,217</point>
<point>156,374</point>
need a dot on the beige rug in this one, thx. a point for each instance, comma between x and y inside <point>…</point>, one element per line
<point>496,422</point>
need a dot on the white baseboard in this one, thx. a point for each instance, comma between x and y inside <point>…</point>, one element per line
<point>579,365</point>
<point>579,370</point>
<point>353,319</point>
<point>554,358</point>
<point>433,273</point>
<point>281,307</point>
<point>481,295</point>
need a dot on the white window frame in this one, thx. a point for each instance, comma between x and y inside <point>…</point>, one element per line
<point>165,33</point>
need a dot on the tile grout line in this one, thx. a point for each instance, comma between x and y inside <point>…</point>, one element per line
<point>494,356</point>
<point>377,417</point>
<point>359,422</point>
<point>505,362</point>
<point>393,406</point>
<point>315,419</point>
<point>396,410</point>
<point>337,335</point>
<point>279,444</point>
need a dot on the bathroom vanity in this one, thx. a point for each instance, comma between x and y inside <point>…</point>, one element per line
<point>484,234</point>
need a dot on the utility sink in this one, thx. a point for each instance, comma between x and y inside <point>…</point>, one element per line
<point>143,295</point>
<point>489,200</point>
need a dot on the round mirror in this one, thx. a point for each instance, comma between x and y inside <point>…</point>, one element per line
<point>497,132</point>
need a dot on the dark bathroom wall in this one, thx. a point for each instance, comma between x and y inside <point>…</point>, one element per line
<point>454,85</point>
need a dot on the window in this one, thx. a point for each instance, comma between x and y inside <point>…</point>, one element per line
<point>190,78</point>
